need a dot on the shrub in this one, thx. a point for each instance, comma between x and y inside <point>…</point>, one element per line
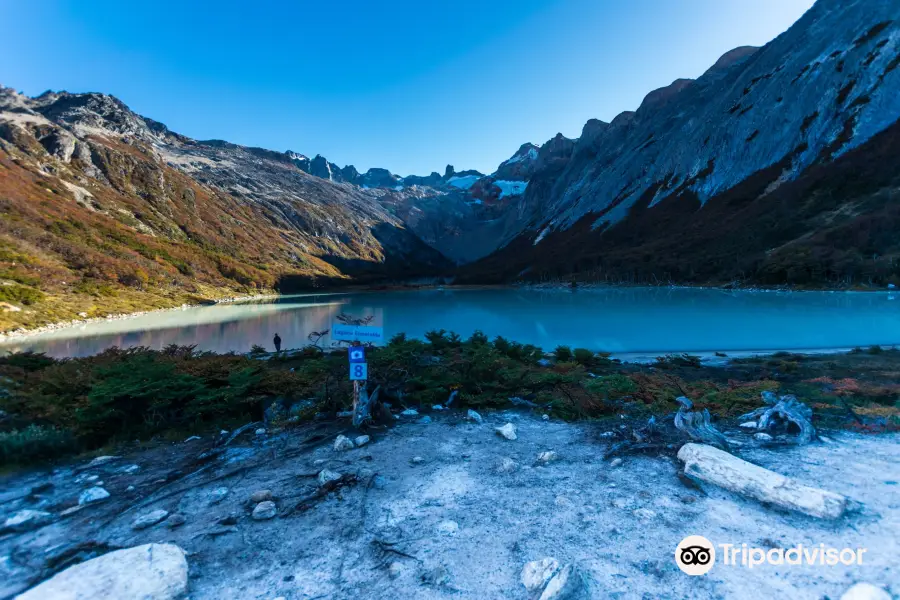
<point>34,443</point>
<point>563,354</point>
<point>583,356</point>
<point>20,294</point>
<point>478,338</point>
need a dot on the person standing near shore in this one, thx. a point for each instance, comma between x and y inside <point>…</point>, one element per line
<point>277,341</point>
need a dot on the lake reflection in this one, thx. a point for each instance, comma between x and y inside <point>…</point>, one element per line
<point>621,320</point>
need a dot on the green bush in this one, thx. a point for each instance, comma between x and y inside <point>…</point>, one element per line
<point>583,356</point>
<point>20,294</point>
<point>563,354</point>
<point>34,443</point>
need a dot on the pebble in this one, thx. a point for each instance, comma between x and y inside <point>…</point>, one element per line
<point>395,569</point>
<point>507,465</point>
<point>749,425</point>
<point>362,440</point>
<point>865,591</point>
<point>342,443</point>
<point>537,573</point>
<point>25,520</point>
<point>264,511</point>
<point>101,460</point>
<point>217,495</point>
<point>508,431</point>
<point>417,460</point>
<point>471,415</point>
<point>130,488</point>
<point>448,527</point>
<point>547,457</point>
<point>410,412</point>
<point>763,437</point>
<point>130,469</point>
<point>260,496</point>
<point>644,514</point>
<point>261,431</point>
<point>616,462</point>
<point>568,584</point>
<point>545,417</point>
<point>608,434</point>
<point>436,576</point>
<point>438,407</point>
<point>425,420</point>
<point>326,476</point>
<point>91,495</point>
<point>71,510</point>
<point>149,519</point>
<point>175,520</point>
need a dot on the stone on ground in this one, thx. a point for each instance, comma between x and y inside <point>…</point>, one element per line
<point>866,591</point>
<point>763,437</point>
<point>471,415</point>
<point>508,431</point>
<point>326,476</point>
<point>749,425</point>
<point>260,496</point>
<point>568,584</point>
<point>264,510</point>
<point>343,443</point>
<point>148,572</point>
<point>217,495</point>
<point>410,412</point>
<point>362,440</point>
<point>175,520</point>
<point>615,462</point>
<point>448,527</point>
<point>91,495</point>
<point>26,520</point>
<point>149,519</point>
<point>507,465</point>
<point>547,457</point>
<point>537,573</point>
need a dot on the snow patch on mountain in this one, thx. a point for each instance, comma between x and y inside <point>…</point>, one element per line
<point>511,188</point>
<point>464,182</point>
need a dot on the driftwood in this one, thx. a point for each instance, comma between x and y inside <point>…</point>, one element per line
<point>697,424</point>
<point>306,502</point>
<point>363,412</point>
<point>708,464</point>
<point>786,412</point>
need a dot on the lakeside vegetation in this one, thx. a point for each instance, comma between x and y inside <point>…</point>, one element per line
<point>58,407</point>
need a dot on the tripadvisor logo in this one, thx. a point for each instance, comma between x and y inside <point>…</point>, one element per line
<point>696,555</point>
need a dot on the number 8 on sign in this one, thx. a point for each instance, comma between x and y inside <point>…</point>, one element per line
<point>359,371</point>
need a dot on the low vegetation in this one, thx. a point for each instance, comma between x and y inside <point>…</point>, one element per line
<point>52,407</point>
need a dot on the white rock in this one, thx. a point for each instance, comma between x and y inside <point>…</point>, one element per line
<point>547,457</point>
<point>148,572</point>
<point>731,473</point>
<point>866,591</point>
<point>749,425</point>
<point>130,469</point>
<point>437,407</point>
<point>545,417</point>
<point>471,415</point>
<point>607,434</point>
<point>507,465</point>
<point>130,488</point>
<point>94,494</point>
<point>261,431</point>
<point>825,439</point>
<point>644,514</point>
<point>448,527</point>
<point>264,511</point>
<point>25,520</point>
<point>425,420</point>
<point>410,412</point>
<point>342,443</point>
<point>362,440</point>
<point>217,495</point>
<point>395,569</point>
<point>149,519</point>
<point>508,431</point>
<point>568,584</point>
<point>537,573</point>
<point>417,460</point>
<point>616,462</point>
<point>326,476</point>
<point>762,437</point>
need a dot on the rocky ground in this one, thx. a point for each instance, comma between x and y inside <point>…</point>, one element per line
<point>448,508</point>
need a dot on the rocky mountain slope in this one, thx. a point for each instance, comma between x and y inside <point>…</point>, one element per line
<point>778,165</point>
<point>104,210</point>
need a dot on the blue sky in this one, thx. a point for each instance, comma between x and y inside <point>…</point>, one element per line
<point>406,85</point>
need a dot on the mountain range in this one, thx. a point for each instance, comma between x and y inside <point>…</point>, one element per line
<point>779,165</point>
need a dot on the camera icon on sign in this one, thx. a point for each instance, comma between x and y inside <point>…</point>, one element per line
<point>695,555</point>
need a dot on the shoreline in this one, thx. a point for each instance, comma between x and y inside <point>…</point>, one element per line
<point>22,333</point>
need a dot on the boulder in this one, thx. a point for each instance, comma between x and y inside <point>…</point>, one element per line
<point>91,495</point>
<point>26,520</point>
<point>865,591</point>
<point>260,496</point>
<point>326,476</point>
<point>149,519</point>
<point>342,443</point>
<point>508,431</point>
<point>148,572</point>
<point>471,415</point>
<point>264,511</point>
<point>537,573</point>
<point>175,520</point>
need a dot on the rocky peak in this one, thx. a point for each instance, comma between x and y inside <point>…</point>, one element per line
<point>448,172</point>
<point>731,58</point>
<point>662,95</point>
<point>520,166</point>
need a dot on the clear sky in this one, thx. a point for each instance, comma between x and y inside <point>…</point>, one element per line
<point>408,85</point>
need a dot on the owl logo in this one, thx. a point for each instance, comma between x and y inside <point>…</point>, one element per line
<point>695,555</point>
